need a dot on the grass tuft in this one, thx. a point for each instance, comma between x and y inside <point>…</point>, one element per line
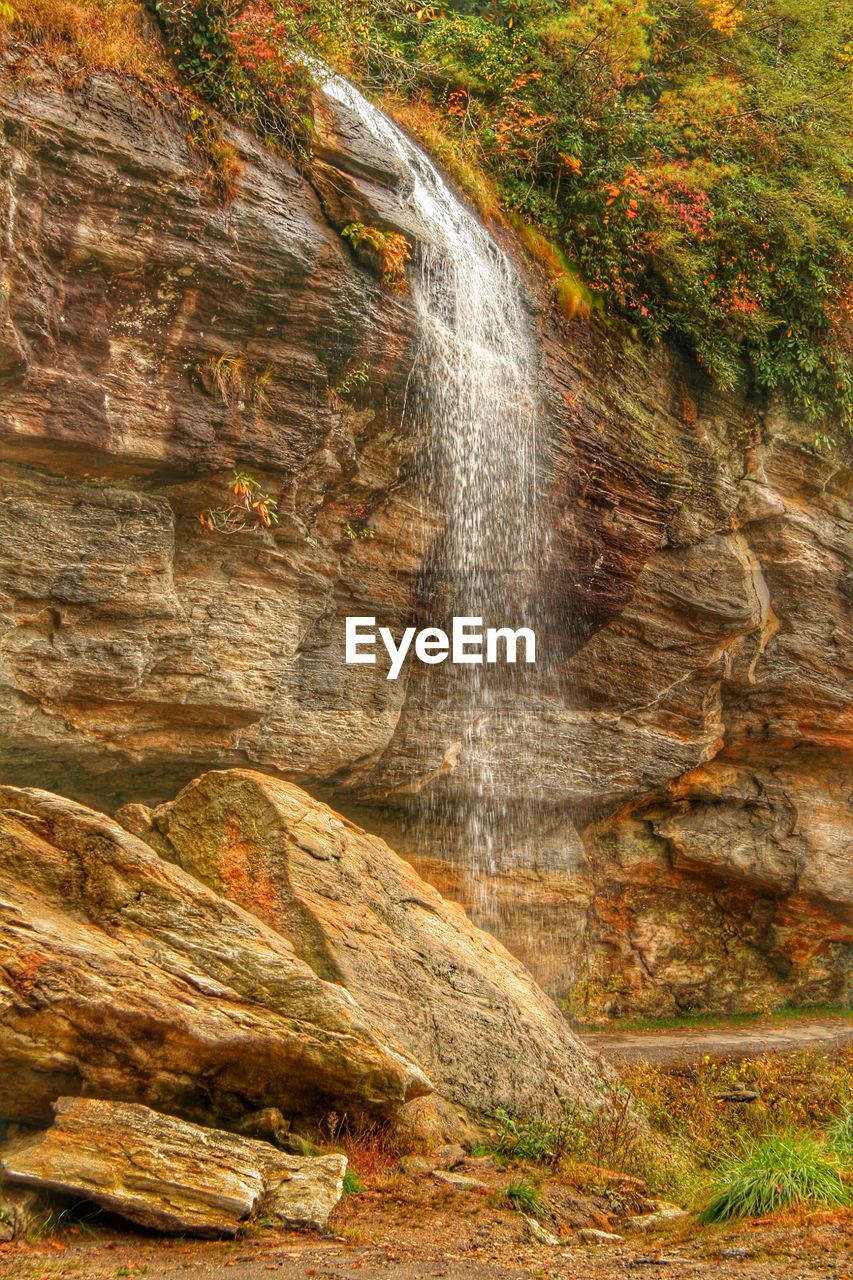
<point>525,1198</point>
<point>841,1135</point>
<point>778,1171</point>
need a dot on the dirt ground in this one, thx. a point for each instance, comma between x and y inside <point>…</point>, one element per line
<point>419,1229</point>
<point>663,1047</point>
<point>416,1228</point>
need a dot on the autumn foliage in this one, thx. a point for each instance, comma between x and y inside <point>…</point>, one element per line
<point>689,162</point>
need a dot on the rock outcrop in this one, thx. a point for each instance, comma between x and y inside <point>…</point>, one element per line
<point>458,1002</point>
<point>691,762</point>
<point>291,964</point>
<point>171,1176</point>
<point>123,977</point>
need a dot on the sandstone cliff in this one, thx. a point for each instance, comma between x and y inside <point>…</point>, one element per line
<point>692,832</point>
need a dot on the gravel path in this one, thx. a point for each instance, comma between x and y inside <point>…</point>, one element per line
<point>721,1042</point>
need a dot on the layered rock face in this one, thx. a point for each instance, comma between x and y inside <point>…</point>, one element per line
<point>456,1000</point>
<point>291,966</point>
<point>123,977</point>
<point>690,839</point>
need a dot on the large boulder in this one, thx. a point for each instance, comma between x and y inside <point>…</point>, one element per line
<point>461,1005</point>
<point>172,1176</point>
<point>123,977</point>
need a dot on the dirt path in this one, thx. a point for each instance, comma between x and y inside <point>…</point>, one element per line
<point>458,1238</point>
<point>720,1042</point>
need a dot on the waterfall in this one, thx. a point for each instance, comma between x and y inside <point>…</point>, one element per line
<point>472,396</point>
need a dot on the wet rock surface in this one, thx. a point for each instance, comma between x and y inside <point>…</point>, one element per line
<point>459,1003</point>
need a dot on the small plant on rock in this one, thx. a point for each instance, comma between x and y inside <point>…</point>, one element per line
<point>392,248</point>
<point>223,158</point>
<point>355,516</point>
<point>251,508</point>
<point>354,378</point>
<point>525,1198</point>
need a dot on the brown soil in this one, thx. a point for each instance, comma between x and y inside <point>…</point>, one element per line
<point>415,1229</point>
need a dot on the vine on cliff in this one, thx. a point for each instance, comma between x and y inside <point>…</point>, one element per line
<point>391,247</point>
<point>241,57</point>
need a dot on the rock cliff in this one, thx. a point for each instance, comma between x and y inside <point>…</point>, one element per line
<point>692,772</point>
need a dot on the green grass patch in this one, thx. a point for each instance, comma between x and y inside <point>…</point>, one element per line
<point>704,1020</point>
<point>778,1171</point>
<point>841,1135</point>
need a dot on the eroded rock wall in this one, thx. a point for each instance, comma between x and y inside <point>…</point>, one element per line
<point>691,761</point>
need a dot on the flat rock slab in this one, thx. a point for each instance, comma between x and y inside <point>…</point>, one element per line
<point>169,1175</point>
<point>459,1181</point>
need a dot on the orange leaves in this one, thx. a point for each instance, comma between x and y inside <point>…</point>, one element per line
<point>725,16</point>
<point>392,248</point>
<point>251,508</point>
<point>571,162</point>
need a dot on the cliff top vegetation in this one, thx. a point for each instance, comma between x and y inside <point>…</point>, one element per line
<point>688,162</point>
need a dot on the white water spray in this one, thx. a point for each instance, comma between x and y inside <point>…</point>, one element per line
<point>473,378</point>
<point>473,400</point>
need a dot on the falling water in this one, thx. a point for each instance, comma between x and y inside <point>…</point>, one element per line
<point>472,397</point>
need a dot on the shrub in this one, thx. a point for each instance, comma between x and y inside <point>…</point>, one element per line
<point>778,1171</point>
<point>251,508</point>
<point>372,1147</point>
<point>246,60</point>
<point>533,1138</point>
<point>607,1135</point>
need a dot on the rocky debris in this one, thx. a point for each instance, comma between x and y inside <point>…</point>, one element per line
<point>268,1124</point>
<point>168,1175</point>
<point>459,1181</point>
<point>125,977</point>
<point>591,1235</point>
<point>539,1233</point>
<point>458,1002</point>
<point>415,1165</point>
<point>451,1156</point>
<point>658,1215</point>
